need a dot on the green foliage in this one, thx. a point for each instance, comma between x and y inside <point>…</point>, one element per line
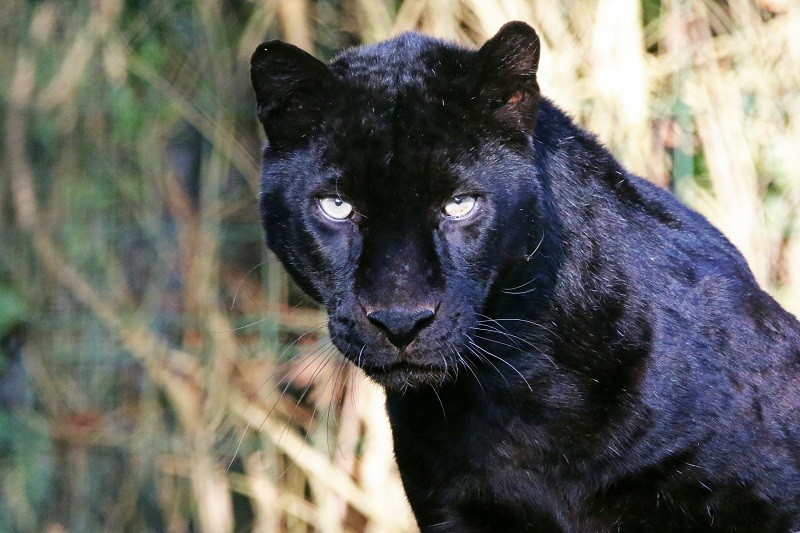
<point>13,309</point>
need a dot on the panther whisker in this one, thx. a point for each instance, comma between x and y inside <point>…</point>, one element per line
<point>531,322</point>
<point>529,343</point>
<point>488,329</point>
<point>528,257</point>
<point>310,385</point>
<point>497,342</point>
<point>511,336</point>
<point>258,390</point>
<point>326,358</point>
<point>314,355</point>
<point>259,321</point>
<point>521,285</point>
<point>440,401</point>
<point>286,426</point>
<point>518,293</point>
<point>360,353</point>
<point>341,370</point>
<point>266,417</point>
<point>319,352</point>
<point>468,365</point>
<point>319,369</point>
<point>495,320</point>
<point>322,391</point>
<point>483,358</point>
<point>503,361</point>
<point>241,282</point>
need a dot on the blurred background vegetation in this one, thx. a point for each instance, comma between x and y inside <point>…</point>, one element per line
<point>157,369</point>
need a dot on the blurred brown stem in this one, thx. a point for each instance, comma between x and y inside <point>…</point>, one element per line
<point>180,383</point>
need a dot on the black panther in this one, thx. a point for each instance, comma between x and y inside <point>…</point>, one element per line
<point>564,346</point>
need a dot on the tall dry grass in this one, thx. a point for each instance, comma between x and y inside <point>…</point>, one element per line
<point>175,379</point>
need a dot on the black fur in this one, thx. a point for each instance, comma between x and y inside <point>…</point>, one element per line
<point>601,358</point>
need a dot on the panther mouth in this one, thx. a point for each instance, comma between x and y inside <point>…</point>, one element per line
<point>403,375</point>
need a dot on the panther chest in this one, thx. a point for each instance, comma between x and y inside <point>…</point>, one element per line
<point>501,478</point>
<point>485,478</point>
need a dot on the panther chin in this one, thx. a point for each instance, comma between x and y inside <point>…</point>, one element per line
<point>402,375</point>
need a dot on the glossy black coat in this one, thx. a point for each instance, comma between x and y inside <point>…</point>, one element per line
<point>601,357</point>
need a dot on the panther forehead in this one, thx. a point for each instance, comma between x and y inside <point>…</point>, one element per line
<point>406,63</point>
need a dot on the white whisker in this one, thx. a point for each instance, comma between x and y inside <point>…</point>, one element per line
<point>503,361</point>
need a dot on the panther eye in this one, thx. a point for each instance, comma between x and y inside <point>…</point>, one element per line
<point>335,208</point>
<point>460,206</point>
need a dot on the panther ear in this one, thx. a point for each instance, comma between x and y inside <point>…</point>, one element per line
<point>290,87</point>
<point>507,64</point>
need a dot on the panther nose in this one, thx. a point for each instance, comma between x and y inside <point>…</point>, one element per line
<point>401,325</point>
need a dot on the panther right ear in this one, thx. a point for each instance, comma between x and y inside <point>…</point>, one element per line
<point>290,87</point>
<point>507,67</point>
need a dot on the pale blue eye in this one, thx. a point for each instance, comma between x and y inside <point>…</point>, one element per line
<point>460,206</point>
<point>335,208</point>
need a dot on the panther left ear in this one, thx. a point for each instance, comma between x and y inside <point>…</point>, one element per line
<point>291,87</point>
<point>507,64</point>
